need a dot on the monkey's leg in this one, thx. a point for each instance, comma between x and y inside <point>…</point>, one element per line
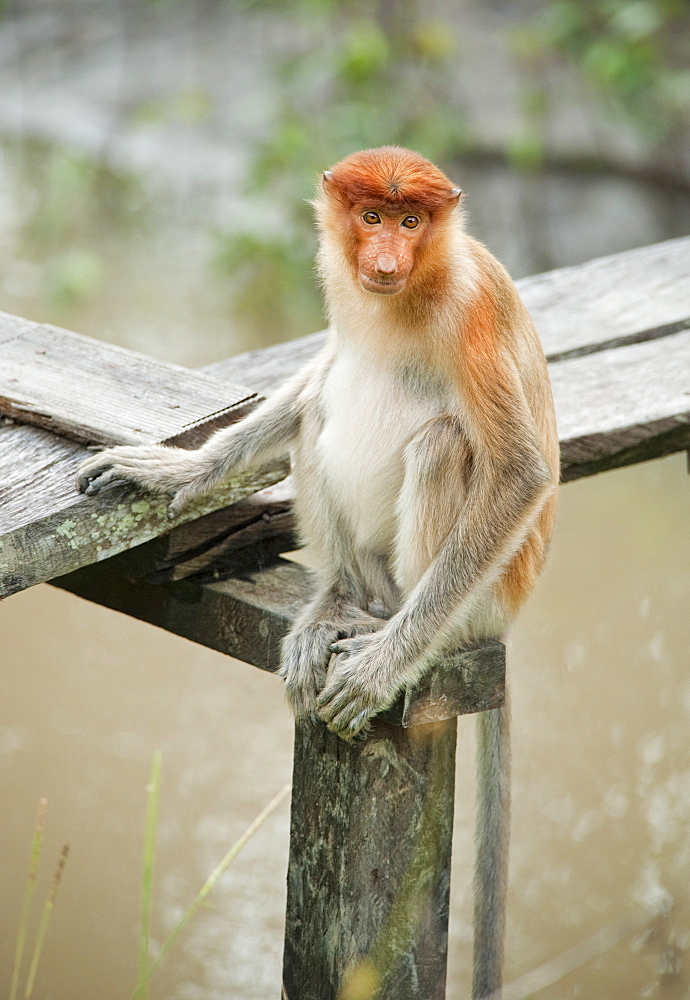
<point>453,601</point>
<point>369,670</point>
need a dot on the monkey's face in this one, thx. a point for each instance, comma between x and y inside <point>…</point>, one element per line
<point>387,245</point>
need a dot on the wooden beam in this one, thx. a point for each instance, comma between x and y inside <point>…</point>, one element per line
<point>67,389</point>
<point>47,528</point>
<point>371,822</point>
<point>246,615</point>
<point>614,407</point>
<point>634,296</point>
<point>623,405</point>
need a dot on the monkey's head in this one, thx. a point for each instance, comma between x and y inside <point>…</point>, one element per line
<point>385,209</point>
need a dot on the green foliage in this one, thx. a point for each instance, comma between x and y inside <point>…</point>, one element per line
<point>74,275</point>
<point>189,106</point>
<point>271,291</point>
<point>375,73</point>
<point>78,200</point>
<point>525,151</point>
<point>633,54</point>
<point>46,913</point>
<point>148,866</point>
<point>369,75</point>
<point>147,963</point>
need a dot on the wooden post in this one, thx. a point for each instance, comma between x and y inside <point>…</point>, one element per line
<point>369,873</point>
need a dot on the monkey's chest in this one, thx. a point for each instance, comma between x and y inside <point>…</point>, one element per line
<point>369,420</point>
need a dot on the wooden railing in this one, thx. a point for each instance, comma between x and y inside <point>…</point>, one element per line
<point>369,871</point>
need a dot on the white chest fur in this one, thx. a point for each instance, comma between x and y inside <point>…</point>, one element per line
<point>370,417</point>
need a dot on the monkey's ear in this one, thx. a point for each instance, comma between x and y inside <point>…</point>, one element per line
<point>454,195</point>
<point>332,188</point>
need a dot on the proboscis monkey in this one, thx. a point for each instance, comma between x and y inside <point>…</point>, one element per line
<point>425,455</point>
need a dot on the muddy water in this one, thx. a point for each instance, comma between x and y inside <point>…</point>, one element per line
<point>599,670</point>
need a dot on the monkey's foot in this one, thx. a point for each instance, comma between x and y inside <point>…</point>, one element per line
<point>358,686</point>
<point>306,653</point>
<point>304,660</point>
<point>158,468</point>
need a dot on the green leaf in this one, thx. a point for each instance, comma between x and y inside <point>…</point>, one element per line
<point>365,51</point>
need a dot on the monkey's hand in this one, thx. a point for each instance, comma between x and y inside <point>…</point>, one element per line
<point>360,683</point>
<point>306,652</point>
<point>156,467</point>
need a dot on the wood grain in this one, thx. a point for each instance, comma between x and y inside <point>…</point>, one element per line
<point>636,295</point>
<point>617,400</point>
<point>48,528</point>
<point>98,393</point>
<point>369,874</point>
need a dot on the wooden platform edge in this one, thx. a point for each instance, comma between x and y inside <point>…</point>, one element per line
<point>246,616</point>
<point>91,529</point>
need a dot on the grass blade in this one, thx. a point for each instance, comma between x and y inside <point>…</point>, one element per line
<point>147,874</point>
<point>45,920</point>
<point>28,896</point>
<point>217,872</point>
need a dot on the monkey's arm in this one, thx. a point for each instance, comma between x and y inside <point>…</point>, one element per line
<point>267,431</point>
<point>505,493</point>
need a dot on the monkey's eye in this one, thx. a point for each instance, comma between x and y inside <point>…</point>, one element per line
<point>371,218</point>
<point>410,222</point>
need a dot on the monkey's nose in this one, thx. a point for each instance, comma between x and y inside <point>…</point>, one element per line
<point>386,264</point>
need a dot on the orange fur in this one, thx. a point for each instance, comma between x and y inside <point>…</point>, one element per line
<point>521,574</point>
<point>391,176</point>
<point>393,182</point>
<point>483,374</point>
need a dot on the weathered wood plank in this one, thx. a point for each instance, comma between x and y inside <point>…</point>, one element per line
<point>369,873</point>
<point>633,397</point>
<point>626,297</point>
<point>13,326</point>
<point>95,392</point>
<point>266,369</point>
<point>638,295</point>
<point>244,618</point>
<point>246,534</point>
<point>619,406</point>
<point>47,528</point>
<point>467,681</point>
<point>614,407</point>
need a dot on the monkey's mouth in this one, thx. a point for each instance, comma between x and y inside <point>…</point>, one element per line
<point>383,286</point>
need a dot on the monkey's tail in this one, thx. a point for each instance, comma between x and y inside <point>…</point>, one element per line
<point>492,836</point>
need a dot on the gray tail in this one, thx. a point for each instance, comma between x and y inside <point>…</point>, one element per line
<point>492,844</point>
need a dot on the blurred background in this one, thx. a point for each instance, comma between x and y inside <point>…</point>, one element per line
<point>156,158</point>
